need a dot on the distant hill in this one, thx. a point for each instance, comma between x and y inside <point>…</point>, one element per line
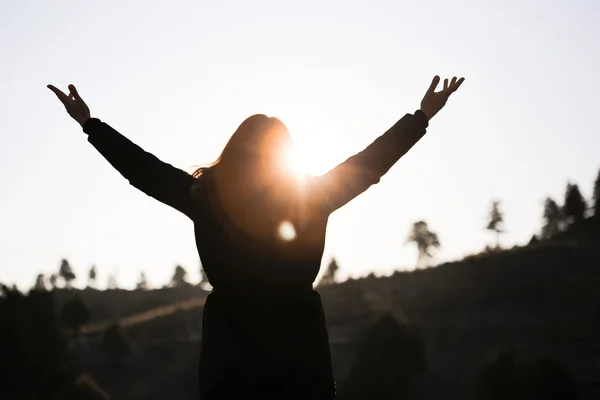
<point>542,299</point>
<point>109,305</point>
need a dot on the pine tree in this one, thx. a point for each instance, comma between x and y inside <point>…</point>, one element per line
<point>40,284</point>
<point>496,220</point>
<point>330,273</point>
<point>553,219</point>
<point>596,197</point>
<point>66,273</point>
<point>92,274</point>
<point>575,207</point>
<point>53,281</point>
<point>179,276</point>
<point>142,283</point>
<point>424,239</point>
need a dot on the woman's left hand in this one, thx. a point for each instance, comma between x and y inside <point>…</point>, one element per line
<point>74,104</point>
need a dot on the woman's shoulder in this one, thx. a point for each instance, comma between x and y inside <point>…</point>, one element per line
<point>201,184</point>
<point>200,193</point>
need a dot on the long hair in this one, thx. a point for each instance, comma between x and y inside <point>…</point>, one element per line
<point>259,141</point>
<point>250,174</point>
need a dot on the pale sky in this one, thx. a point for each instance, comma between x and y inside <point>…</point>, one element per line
<point>178,77</point>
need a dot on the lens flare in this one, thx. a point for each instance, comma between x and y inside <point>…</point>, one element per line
<point>287,231</point>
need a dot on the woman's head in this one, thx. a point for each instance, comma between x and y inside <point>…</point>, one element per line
<point>252,166</point>
<point>256,150</point>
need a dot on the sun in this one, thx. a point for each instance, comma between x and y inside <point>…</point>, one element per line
<point>317,145</point>
<point>296,163</point>
<point>311,155</point>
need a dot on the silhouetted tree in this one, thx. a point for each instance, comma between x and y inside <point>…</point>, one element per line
<point>424,239</point>
<point>53,281</point>
<point>115,343</point>
<point>553,219</point>
<point>35,361</point>
<point>92,274</point>
<point>496,221</point>
<point>66,273</point>
<point>74,314</point>
<point>488,250</point>
<point>143,282</point>
<point>40,284</point>
<point>390,360</point>
<point>179,276</point>
<point>596,197</point>
<point>574,208</point>
<point>517,378</point>
<point>330,273</point>
<point>112,282</point>
<point>534,239</point>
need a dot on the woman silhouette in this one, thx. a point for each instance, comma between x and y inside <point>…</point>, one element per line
<point>263,331</point>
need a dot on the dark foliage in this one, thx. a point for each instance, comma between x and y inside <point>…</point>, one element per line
<point>596,198</point>
<point>35,362</point>
<point>115,344</point>
<point>330,273</point>
<point>179,277</point>
<point>92,275</point>
<point>66,272</point>
<point>74,314</point>
<point>389,362</point>
<point>553,219</point>
<point>516,378</point>
<point>533,240</point>
<point>575,207</point>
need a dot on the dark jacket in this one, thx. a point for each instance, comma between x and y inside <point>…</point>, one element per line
<point>264,330</point>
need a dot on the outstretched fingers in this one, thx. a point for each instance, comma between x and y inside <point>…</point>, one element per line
<point>449,86</point>
<point>434,83</point>
<point>77,97</point>
<point>74,93</point>
<point>61,96</point>
<point>456,84</point>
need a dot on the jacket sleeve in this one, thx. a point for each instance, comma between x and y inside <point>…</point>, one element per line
<point>143,170</point>
<point>355,175</point>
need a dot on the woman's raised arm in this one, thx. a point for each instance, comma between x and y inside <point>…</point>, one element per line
<point>143,170</point>
<point>355,175</point>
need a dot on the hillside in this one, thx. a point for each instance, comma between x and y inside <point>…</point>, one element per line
<point>542,299</point>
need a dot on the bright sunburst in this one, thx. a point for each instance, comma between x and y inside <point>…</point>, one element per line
<point>311,154</point>
<point>296,162</point>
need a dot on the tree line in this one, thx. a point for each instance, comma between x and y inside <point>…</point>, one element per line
<point>64,278</point>
<point>575,214</point>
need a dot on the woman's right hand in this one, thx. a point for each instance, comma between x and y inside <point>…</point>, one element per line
<point>434,101</point>
<point>74,104</point>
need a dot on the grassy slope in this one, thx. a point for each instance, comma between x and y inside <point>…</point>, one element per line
<point>544,299</point>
